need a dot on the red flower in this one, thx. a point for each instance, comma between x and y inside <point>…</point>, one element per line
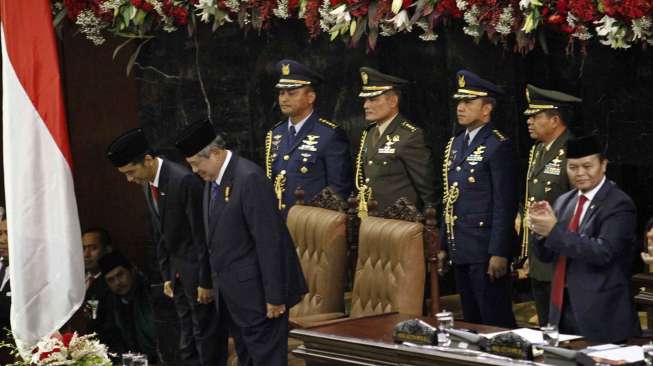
<point>555,19</point>
<point>67,337</point>
<point>448,7</point>
<point>147,7</point>
<point>406,4</point>
<point>293,5</point>
<point>180,14</point>
<point>137,3</point>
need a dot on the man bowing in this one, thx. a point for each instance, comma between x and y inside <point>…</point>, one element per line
<point>255,269</point>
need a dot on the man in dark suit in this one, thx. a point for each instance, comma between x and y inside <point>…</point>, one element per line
<point>549,113</point>
<point>589,235</point>
<point>480,203</point>
<point>174,195</point>
<point>394,160</point>
<point>256,272</point>
<point>305,150</point>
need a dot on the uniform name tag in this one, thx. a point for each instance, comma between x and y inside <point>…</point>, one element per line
<point>552,169</point>
<point>386,150</point>
<point>307,148</point>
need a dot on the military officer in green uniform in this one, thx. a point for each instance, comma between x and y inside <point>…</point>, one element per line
<point>393,160</point>
<point>549,112</point>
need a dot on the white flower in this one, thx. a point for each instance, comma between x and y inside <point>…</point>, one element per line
<point>206,9</point>
<point>611,32</point>
<point>643,29</point>
<point>327,20</point>
<point>428,34</point>
<point>341,14</point>
<point>504,23</point>
<point>401,22</point>
<point>461,4</point>
<point>112,5</point>
<point>91,26</point>
<point>471,18</point>
<point>281,11</point>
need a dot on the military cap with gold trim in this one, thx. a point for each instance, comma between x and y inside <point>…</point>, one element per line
<point>128,147</point>
<point>543,99</point>
<point>195,137</point>
<point>376,83</point>
<point>293,74</point>
<point>472,86</point>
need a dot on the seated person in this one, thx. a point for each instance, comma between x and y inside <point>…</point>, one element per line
<point>647,256</point>
<point>90,317</point>
<point>129,308</point>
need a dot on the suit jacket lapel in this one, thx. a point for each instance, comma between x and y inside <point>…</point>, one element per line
<point>164,177</point>
<point>225,185</point>
<point>480,138</point>
<point>147,190</point>
<point>387,132</point>
<point>595,204</point>
<point>306,129</point>
<point>206,203</point>
<point>547,155</point>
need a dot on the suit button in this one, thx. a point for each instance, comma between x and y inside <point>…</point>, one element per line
<point>457,168</point>
<point>286,157</point>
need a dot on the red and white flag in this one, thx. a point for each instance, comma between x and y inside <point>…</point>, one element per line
<point>45,251</point>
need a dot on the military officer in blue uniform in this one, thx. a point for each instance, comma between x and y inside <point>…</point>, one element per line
<point>480,203</point>
<point>304,149</point>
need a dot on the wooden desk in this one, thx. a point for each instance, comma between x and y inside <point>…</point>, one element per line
<point>368,341</point>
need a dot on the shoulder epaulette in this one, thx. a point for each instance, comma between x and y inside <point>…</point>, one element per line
<point>370,126</point>
<point>408,126</point>
<point>328,123</point>
<point>279,124</point>
<point>499,135</point>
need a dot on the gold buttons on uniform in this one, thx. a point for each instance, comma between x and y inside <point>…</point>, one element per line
<point>304,170</point>
<point>367,180</point>
<point>286,157</point>
<point>457,168</point>
<point>481,223</point>
<point>471,180</point>
<point>455,184</point>
<point>370,162</point>
<point>535,180</point>
<point>532,199</point>
<point>283,172</point>
<point>304,160</point>
<point>385,163</point>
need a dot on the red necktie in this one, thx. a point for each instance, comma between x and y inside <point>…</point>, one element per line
<point>155,194</point>
<point>558,283</point>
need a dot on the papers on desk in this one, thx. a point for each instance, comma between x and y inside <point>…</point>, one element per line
<point>611,354</point>
<point>534,336</point>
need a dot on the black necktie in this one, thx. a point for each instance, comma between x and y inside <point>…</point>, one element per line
<point>3,270</point>
<point>292,132</point>
<point>215,189</point>
<point>466,142</point>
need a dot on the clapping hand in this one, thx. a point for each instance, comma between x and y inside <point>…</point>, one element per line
<point>541,218</point>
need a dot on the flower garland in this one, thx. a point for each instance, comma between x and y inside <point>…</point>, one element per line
<point>619,24</point>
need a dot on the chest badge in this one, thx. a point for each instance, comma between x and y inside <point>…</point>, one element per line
<point>476,156</point>
<point>388,146</point>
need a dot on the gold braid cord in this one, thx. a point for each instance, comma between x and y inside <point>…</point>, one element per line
<point>525,229</point>
<point>268,154</point>
<point>451,193</point>
<point>364,191</point>
<point>279,183</point>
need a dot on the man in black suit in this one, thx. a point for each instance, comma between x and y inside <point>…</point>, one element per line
<point>589,235</point>
<point>256,273</point>
<point>95,243</point>
<point>174,195</point>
